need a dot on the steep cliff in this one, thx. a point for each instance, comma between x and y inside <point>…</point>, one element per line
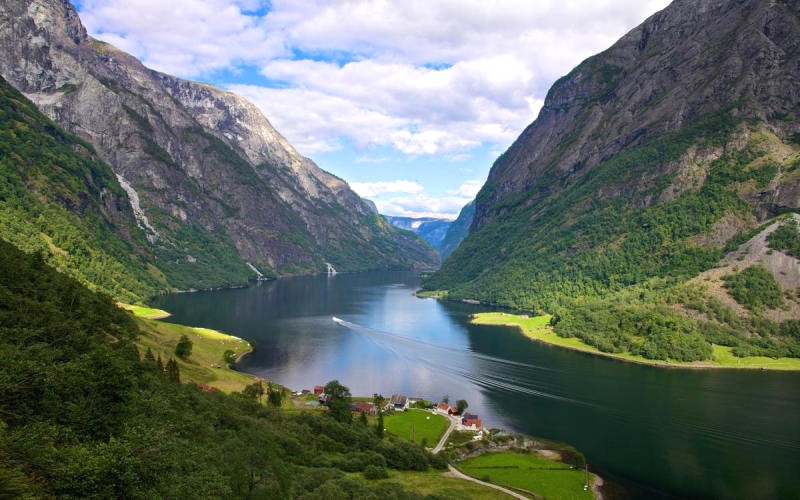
<point>214,185</point>
<point>646,164</point>
<point>458,230</point>
<point>58,199</point>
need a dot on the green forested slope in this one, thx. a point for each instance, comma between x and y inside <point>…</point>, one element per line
<point>647,164</point>
<point>83,417</point>
<point>611,269</point>
<point>56,197</point>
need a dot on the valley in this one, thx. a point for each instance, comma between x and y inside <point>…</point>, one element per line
<point>618,301</point>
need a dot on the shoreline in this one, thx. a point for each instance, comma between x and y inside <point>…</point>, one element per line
<point>546,335</point>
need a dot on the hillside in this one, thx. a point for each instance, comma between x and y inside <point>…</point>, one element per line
<point>213,185</point>
<point>84,415</point>
<point>57,198</point>
<point>646,165</point>
<point>458,230</point>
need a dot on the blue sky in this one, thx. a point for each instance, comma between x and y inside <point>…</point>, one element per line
<point>410,102</point>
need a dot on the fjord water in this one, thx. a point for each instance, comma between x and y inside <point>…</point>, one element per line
<point>696,433</point>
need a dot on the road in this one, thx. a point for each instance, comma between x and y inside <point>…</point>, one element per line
<point>460,475</point>
<point>440,444</point>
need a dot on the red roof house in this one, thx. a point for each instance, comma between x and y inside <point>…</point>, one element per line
<point>470,422</point>
<point>318,389</point>
<point>364,407</point>
<point>442,406</point>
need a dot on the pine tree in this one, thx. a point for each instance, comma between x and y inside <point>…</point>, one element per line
<point>160,365</point>
<point>173,371</point>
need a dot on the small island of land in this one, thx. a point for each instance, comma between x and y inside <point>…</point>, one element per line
<point>538,328</point>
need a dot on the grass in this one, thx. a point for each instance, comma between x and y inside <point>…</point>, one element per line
<point>144,312</point>
<point>426,426</point>
<point>208,349</point>
<point>531,472</point>
<point>427,294</point>
<point>435,484</point>
<point>537,328</point>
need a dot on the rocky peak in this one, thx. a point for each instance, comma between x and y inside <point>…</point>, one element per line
<point>217,183</point>
<point>688,60</point>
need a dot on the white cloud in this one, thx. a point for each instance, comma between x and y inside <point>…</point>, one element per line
<point>423,77</point>
<point>468,189</point>
<point>370,189</point>
<point>422,205</point>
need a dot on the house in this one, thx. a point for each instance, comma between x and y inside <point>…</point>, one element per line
<point>305,391</point>
<point>364,407</point>
<point>399,401</point>
<point>468,416</point>
<point>472,424</point>
<point>323,399</point>
<point>442,406</point>
<point>318,389</point>
<point>452,410</point>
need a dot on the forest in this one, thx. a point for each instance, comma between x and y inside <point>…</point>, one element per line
<point>84,414</point>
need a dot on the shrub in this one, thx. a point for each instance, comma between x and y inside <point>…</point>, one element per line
<point>375,472</point>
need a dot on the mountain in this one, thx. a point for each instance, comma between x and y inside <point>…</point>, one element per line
<point>217,191</point>
<point>431,229</point>
<point>57,198</point>
<point>457,231</point>
<point>648,163</point>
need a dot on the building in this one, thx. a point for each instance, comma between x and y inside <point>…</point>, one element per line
<point>443,406</point>
<point>318,389</point>
<point>472,424</point>
<point>398,401</point>
<point>364,407</point>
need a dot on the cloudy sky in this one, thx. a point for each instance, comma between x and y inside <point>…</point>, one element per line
<point>409,101</point>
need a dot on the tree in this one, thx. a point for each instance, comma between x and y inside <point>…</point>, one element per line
<point>173,371</point>
<point>379,425</point>
<point>446,399</point>
<point>254,391</point>
<point>363,418</point>
<point>184,347</point>
<point>274,395</point>
<point>339,401</point>
<point>379,401</point>
<point>461,405</point>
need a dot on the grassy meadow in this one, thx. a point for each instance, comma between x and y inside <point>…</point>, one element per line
<point>427,426</point>
<point>531,472</point>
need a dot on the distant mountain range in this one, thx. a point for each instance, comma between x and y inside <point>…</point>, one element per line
<point>196,184</point>
<point>443,234</point>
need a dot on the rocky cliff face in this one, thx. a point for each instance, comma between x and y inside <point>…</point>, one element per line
<point>645,161</point>
<point>216,186</point>
<point>685,62</point>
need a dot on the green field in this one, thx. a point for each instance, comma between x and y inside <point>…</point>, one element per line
<point>144,312</point>
<point>535,473</point>
<point>208,350</point>
<point>427,294</point>
<point>426,426</point>
<point>435,484</point>
<point>537,328</point>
